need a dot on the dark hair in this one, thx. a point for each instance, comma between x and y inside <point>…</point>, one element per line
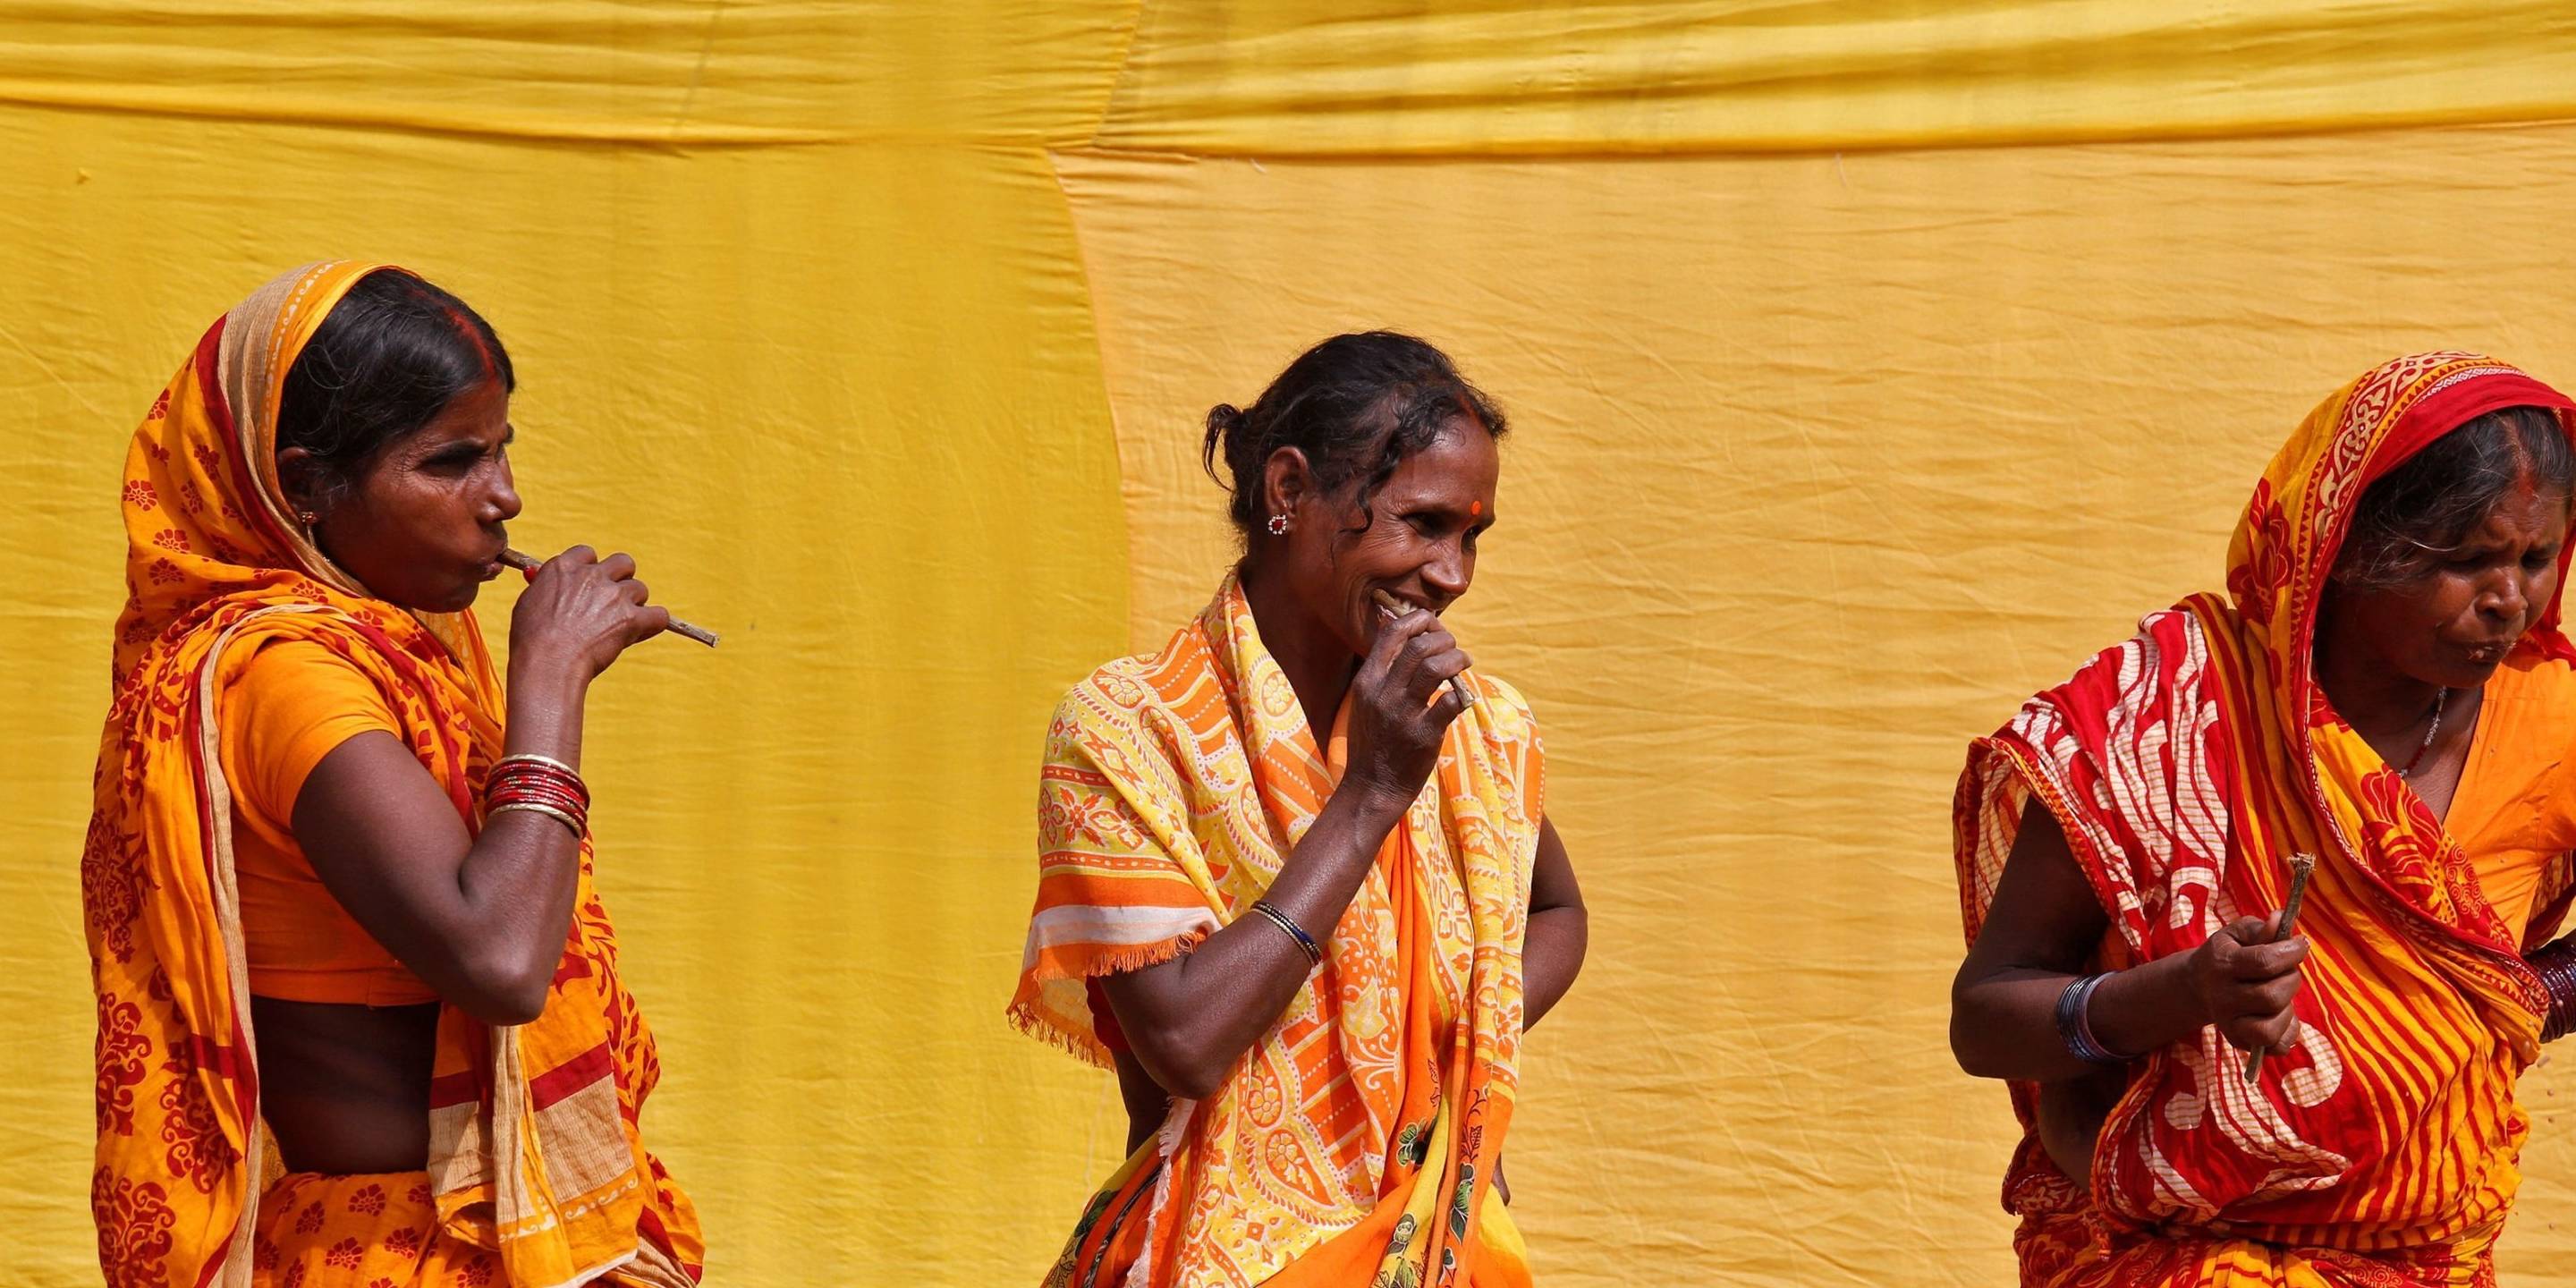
<point>1356,405</point>
<point>391,355</point>
<point>2424,509</point>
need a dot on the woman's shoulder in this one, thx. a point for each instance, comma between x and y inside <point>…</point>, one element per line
<point>291,700</point>
<point>2537,681</point>
<point>304,668</point>
<point>1495,691</point>
<point>2168,646</point>
<point>1115,693</point>
<point>1127,691</point>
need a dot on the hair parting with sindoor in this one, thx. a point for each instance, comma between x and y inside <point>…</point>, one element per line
<point>390,356</point>
<point>2421,511</point>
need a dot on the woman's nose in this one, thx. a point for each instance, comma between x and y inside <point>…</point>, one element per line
<point>1447,574</point>
<point>2505,598</point>
<point>504,500</point>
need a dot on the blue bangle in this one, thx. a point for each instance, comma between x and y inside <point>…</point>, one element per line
<point>2075,1022</point>
<point>1305,942</point>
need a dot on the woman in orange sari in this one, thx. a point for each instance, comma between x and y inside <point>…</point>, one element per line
<point>1294,885</point>
<point>359,1017</point>
<point>2385,689</point>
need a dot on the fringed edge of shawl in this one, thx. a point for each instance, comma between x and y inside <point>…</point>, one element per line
<point>1028,1015</point>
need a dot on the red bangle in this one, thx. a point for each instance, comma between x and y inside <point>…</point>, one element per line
<point>526,766</point>
<point>522,790</point>
<point>538,783</point>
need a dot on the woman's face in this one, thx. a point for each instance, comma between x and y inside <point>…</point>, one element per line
<point>1416,540</point>
<point>423,527</point>
<point>2452,623</point>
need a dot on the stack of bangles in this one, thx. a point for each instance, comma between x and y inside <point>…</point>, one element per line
<point>2556,966</point>
<point>2075,1022</point>
<point>1314,951</point>
<point>538,785</point>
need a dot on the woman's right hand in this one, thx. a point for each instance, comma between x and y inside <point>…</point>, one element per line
<point>1396,723</point>
<point>2244,983</point>
<point>579,612</point>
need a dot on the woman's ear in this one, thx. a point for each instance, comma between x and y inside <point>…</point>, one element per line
<point>300,475</point>
<point>1285,484</point>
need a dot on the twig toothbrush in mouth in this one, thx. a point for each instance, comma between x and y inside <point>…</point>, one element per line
<point>1397,608</point>
<point>529,564</point>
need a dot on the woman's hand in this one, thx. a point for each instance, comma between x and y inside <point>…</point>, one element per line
<point>2244,983</point>
<point>1396,722</point>
<point>1189,1019</point>
<point>579,613</point>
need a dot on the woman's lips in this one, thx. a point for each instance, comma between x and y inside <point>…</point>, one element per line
<point>1401,606</point>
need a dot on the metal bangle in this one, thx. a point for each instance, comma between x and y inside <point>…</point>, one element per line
<point>1305,942</point>
<point>534,808</point>
<point>2556,966</point>
<point>2075,1022</point>
<point>532,758</point>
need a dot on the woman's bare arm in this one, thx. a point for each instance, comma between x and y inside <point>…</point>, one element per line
<point>481,919</point>
<point>2045,924</point>
<point>1559,931</point>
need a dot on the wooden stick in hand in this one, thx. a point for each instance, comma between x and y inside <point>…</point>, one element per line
<point>529,564</point>
<point>1458,682</point>
<point>2300,866</point>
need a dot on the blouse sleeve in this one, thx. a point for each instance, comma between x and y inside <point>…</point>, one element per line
<point>291,705</point>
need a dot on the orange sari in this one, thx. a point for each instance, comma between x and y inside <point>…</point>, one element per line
<point>2185,767</point>
<point>538,1176</point>
<point>1355,1142</point>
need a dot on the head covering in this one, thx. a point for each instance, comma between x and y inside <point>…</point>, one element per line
<point>2185,767</point>
<point>534,1150</point>
<point>2286,545</point>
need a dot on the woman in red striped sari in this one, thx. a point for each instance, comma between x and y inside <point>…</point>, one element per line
<point>2384,687</point>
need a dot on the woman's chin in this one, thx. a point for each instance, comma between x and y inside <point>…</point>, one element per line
<point>454,599</point>
<point>2469,671</point>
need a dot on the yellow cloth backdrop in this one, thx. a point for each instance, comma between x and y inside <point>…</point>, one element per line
<point>882,335</point>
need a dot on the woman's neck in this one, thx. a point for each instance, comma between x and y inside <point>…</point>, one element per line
<point>1319,666</point>
<point>2377,700</point>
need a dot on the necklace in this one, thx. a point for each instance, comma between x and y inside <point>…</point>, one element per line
<point>2435,728</point>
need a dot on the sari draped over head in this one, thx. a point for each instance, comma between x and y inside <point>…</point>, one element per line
<point>1355,1142</point>
<point>2185,767</point>
<point>535,1153</point>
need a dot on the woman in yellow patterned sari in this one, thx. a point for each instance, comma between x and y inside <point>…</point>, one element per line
<point>359,1016</point>
<point>1294,885</point>
<point>2386,689</point>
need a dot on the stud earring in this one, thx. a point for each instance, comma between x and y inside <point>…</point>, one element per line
<point>307,518</point>
<point>1279,525</point>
